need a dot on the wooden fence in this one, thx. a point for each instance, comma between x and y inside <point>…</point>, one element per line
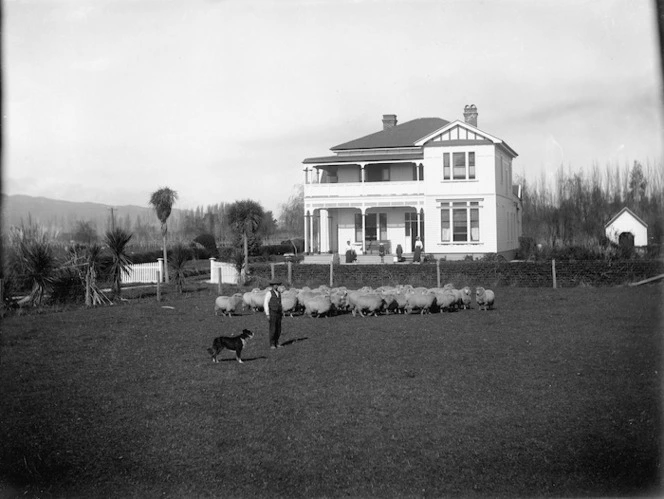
<point>145,273</point>
<point>224,271</point>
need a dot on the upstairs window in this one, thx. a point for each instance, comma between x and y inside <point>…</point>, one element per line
<point>461,166</point>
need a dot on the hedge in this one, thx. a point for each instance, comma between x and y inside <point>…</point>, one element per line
<point>464,273</point>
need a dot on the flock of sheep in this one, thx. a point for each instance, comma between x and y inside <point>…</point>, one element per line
<point>324,301</point>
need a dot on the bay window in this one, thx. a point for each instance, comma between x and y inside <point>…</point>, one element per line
<point>459,221</point>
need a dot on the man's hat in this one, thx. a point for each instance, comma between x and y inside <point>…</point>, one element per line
<point>275,283</point>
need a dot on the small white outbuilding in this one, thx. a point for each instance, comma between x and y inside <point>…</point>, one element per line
<point>625,224</point>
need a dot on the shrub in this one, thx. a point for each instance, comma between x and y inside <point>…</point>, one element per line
<point>298,242</point>
<point>276,249</point>
<point>207,241</point>
<point>67,287</point>
<point>226,253</point>
<point>527,248</point>
<point>177,261</point>
<point>145,256</point>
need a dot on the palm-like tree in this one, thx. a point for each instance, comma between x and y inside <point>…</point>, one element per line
<point>117,241</point>
<point>179,258</point>
<point>39,266</point>
<point>33,261</point>
<point>162,201</point>
<point>245,218</point>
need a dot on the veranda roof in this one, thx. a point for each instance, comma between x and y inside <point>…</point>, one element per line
<point>363,158</point>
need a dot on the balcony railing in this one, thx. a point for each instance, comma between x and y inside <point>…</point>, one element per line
<point>362,189</point>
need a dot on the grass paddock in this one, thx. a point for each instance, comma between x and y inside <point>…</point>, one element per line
<point>553,393</point>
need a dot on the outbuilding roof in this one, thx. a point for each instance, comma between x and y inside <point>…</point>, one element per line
<point>625,210</point>
<point>403,135</point>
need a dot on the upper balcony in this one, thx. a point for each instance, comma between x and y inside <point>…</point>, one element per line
<point>354,190</point>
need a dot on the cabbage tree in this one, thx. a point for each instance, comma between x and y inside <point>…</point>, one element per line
<point>117,241</point>
<point>162,201</point>
<point>245,217</point>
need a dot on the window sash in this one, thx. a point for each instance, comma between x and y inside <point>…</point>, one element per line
<point>446,166</point>
<point>474,224</point>
<point>459,224</point>
<point>445,224</point>
<point>459,166</point>
<point>459,160</point>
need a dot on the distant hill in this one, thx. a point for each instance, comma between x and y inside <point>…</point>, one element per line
<point>64,215</point>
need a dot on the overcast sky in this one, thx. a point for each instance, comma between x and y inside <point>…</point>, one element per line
<point>108,100</point>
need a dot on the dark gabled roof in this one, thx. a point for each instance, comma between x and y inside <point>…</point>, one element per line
<point>625,210</point>
<point>403,135</point>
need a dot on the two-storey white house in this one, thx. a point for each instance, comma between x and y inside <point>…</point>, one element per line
<point>446,181</point>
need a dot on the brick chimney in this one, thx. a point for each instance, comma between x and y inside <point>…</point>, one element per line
<point>470,114</point>
<point>389,121</point>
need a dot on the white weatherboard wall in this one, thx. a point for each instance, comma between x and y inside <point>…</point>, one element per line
<point>626,222</point>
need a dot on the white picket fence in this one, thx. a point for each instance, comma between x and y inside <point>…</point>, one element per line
<point>145,272</point>
<point>229,274</point>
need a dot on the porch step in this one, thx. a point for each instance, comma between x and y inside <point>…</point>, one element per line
<point>325,259</point>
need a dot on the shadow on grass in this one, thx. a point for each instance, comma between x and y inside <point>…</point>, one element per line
<point>294,340</point>
<point>247,359</point>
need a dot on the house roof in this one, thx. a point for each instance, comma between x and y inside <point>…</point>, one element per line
<point>403,135</point>
<point>625,209</point>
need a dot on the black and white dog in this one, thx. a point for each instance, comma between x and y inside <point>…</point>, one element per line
<point>235,343</point>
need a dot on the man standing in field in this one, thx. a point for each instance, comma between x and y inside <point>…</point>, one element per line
<point>274,312</point>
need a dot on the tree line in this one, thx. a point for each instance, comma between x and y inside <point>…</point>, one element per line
<point>31,264</point>
<point>189,223</point>
<point>574,208</point>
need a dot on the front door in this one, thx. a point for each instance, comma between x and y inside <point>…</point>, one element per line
<point>412,230</point>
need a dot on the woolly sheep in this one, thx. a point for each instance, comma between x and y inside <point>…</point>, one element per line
<point>289,302</point>
<point>318,305</point>
<point>228,304</point>
<point>484,298</point>
<point>421,301</point>
<point>446,300</point>
<point>254,299</point>
<point>371,303</point>
<point>466,298</point>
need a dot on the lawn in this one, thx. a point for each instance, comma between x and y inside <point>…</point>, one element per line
<point>553,393</point>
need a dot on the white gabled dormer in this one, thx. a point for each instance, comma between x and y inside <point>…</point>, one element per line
<point>461,133</point>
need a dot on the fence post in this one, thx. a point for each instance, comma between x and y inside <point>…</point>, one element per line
<point>553,271</point>
<point>438,271</point>
<point>212,260</point>
<point>272,270</point>
<point>160,277</point>
<point>219,280</point>
<point>88,295</point>
<point>290,273</point>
